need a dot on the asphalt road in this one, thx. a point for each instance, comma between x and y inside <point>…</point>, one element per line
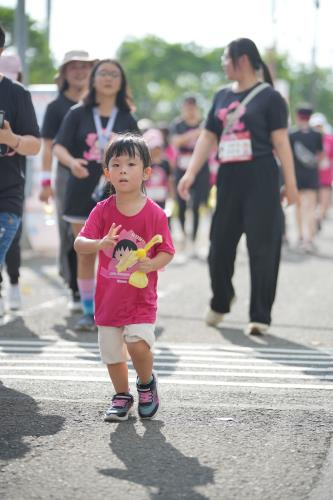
<point>241,418</point>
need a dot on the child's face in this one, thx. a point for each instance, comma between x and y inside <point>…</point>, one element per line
<point>126,173</point>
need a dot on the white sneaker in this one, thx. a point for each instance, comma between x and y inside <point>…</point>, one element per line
<point>14,297</point>
<point>75,306</point>
<point>254,328</point>
<point>2,307</point>
<point>213,318</point>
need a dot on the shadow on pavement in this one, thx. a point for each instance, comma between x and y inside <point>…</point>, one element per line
<point>238,338</point>
<point>16,329</point>
<point>154,463</point>
<point>296,257</point>
<point>20,418</point>
<point>37,263</point>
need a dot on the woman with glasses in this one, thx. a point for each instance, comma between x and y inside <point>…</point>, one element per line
<point>80,143</point>
<point>247,121</point>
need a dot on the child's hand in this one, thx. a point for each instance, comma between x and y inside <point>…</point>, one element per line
<point>111,238</point>
<point>146,265</point>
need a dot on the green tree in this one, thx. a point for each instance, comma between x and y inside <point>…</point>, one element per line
<point>39,59</point>
<point>160,74</point>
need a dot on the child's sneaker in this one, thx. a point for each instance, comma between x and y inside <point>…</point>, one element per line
<point>120,408</point>
<point>148,398</point>
<point>86,324</point>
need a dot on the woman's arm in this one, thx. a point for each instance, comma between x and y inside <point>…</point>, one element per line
<point>281,144</point>
<point>76,165</point>
<point>179,140</point>
<point>22,144</point>
<point>205,142</point>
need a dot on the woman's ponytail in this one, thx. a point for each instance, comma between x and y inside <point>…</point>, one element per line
<point>245,46</point>
<point>266,73</point>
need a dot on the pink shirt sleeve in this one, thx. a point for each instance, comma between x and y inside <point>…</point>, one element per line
<point>163,229</point>
<point>92,228</point>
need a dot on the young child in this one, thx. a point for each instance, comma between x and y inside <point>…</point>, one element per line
<point>126,315</point>
<point>159,185</point>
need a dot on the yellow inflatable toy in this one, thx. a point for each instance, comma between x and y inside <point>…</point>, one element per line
<point>138,278</point>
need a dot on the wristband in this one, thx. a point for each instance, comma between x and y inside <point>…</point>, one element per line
<point>45,175</point>
<point>45,178</point>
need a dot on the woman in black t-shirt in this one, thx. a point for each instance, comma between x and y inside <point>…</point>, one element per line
<point>246,121</point>
<point>80,143</point>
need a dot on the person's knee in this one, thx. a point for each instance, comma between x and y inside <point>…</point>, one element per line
<point>138,349</point>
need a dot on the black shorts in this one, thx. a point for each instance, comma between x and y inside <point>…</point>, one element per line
<point>78,197</point>
<point>307,178</point>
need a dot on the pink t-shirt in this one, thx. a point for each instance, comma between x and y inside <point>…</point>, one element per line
<point>117,303</point>
<point>326,165</point>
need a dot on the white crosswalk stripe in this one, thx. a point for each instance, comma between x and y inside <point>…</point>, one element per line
<point>179,364</point>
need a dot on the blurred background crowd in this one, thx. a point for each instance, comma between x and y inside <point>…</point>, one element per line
<point>170,87</point>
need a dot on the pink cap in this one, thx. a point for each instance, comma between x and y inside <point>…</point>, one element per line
<point>154,138</point>
<point>10,66</point>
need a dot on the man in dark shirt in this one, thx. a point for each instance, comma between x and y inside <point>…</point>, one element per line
<point>307,146</point>
<point>19,137</point>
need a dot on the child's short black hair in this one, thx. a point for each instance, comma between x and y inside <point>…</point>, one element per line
<point>131,145</point>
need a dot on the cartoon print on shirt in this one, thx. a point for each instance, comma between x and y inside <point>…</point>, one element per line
<point>122,248</point>
<point>128,241</point>
<point>225,115</point>
<point>235,141</point>
<point>94,153</point>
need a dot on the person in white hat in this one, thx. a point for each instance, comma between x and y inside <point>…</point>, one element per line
<point>72,80</point>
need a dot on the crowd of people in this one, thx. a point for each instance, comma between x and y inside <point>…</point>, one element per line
<point>115,176</point>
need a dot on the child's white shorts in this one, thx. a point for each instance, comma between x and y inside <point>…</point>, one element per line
<point>112,340</point>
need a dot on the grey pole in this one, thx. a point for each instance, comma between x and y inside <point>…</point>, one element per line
<point>21,37</point>
<point>313,91</point>
<point>48,18</point>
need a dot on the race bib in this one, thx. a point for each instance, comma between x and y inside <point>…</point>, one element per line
<point>235,147</point>
<point>183,161</point>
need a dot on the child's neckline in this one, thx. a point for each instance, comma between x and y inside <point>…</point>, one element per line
<point>145,199</point>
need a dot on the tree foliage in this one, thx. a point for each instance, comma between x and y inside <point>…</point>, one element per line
<point>160,74</point>
<point>39,60</point>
